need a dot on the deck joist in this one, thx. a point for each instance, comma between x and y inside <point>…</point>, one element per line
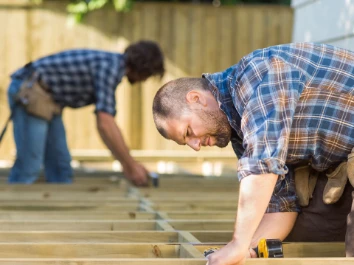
<point>105,220</point>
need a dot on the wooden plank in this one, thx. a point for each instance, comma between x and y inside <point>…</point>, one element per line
<point>197,206</point>
<point>191,195</point>
<point>194,184</point>
<point>211,41</point>
<point>15,53</point>
<point>38,216</point>
<point>293,250</point>
<point>153,155</point>
<point>113,261</point>
<point>63,196</point>
<point>150,25</point>
<point>242,24</point>
<point>227,35</point>
<point>161,216</point>
<point>77,187</point>
<point>302,250</point>
<point>213,236</point>
<point>82,204</point>
<point>199,215</point>
<point>78,250</point>
<point>91,237</point>
<point>202,225</point>
<point>188,251</point>
<point>272,27</point>
<point>81,225</point>
<point>195,53</point>
<point>182,38</point>
<point>163,226</point>
<point>287,19</point>
<point>187,237</point>
<point>257,26</point>
<point>197,184</point>
<point>72,207</point>
<point>16,2</point>
<point>157,196</point>
<point>96,187</point>
<point>106,261</point>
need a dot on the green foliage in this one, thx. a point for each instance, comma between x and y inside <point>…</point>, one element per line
<point>79,8</point>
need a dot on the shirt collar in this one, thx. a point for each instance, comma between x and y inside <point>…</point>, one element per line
<point>218,86</point>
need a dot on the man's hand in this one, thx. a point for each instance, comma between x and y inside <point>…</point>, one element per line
<point>136,173</point>
<point>113,138</point>
<point>231,254</point>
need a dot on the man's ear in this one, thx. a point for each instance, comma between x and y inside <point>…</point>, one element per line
<point>195,96</point>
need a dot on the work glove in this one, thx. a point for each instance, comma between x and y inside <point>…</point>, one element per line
<point>350,167</point>
<point>305,182</point>
<point>336,183</point>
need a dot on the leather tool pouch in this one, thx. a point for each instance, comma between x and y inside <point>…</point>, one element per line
<point>36,99</point>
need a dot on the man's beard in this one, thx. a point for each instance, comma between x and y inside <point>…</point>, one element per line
<point>217,125</point>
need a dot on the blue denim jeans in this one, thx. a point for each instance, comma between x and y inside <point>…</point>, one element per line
<point>38,142</point>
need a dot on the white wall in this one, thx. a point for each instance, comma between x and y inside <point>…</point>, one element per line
<point>324,21</point>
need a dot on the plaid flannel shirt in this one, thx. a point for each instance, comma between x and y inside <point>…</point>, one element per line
<point>295,104</point>
<point>77,78</point>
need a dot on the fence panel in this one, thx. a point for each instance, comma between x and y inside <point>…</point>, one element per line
<point>194,38</point>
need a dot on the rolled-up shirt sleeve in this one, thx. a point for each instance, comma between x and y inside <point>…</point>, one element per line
<point>266,124</point>
<point>284,195</point>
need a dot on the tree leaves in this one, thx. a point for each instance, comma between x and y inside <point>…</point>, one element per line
<point>79,8</point>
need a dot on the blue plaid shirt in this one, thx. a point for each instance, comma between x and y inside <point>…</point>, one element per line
<point>82,77</point>
<point>295,104</point>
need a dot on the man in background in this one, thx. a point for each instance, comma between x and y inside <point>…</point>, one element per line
<point>74,78</point>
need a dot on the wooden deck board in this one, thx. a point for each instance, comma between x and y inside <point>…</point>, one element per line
<point>33,216</point>
<point>91,237</point>
<point>189,261</point>
<point>304,250</point>
<point>100,221</point>
<point>78,225</point>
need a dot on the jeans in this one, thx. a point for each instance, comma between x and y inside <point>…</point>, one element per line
<point>38,142</point>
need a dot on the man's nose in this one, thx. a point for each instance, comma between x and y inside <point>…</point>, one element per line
<point>194,143</point>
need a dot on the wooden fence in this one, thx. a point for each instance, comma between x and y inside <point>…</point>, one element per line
<point>194,38</point>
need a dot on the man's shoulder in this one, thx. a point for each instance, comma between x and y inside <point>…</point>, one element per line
<point>79,55</point>
<point>85,51</point>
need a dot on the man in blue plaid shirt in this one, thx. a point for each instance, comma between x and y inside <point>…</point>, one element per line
<point>284,107</point>
<point>77,78</point>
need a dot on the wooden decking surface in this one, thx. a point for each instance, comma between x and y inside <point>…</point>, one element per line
<point>105,220</point>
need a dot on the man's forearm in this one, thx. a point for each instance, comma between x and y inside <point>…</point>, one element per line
<point>255,194</point>
<point>274,226</point>
<point>113,139</point>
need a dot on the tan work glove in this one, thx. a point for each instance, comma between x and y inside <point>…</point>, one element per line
<point>350,167</point>
<point>305,182</point>
<point>335,184</point>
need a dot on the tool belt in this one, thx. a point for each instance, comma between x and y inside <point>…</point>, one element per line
<point>35,98</point>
